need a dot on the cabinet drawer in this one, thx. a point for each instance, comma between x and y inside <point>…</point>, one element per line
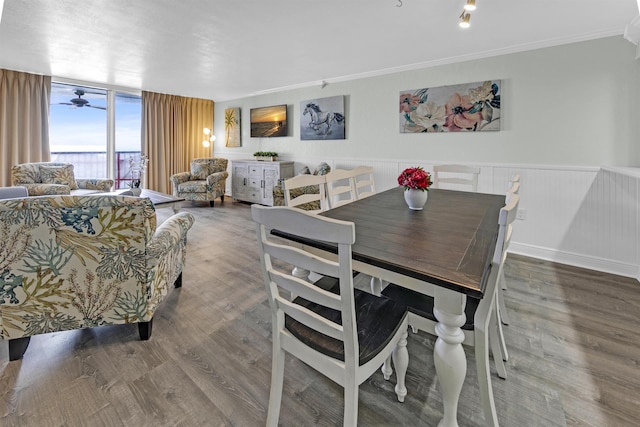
<point>255,183</point>
<point>255,171</point>
<point>254,195</point>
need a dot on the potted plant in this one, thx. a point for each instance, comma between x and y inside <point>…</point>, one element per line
<point>268,156</point>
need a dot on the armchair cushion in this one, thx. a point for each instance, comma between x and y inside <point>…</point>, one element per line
<point>72,262</point>
<point>58,175</point>
<point>199,171</point>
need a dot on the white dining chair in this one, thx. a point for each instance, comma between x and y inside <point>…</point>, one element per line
<point>341,187</point>
<point>364,181</point>
<point>481,327</point>
<point>365,186</point>
<point>503,316</point>
<point>306,198</point>
<point>456,177</point>
<point>338,330</point>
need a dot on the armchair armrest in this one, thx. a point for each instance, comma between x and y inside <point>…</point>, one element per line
<point>168,236</point>
<point>41,189</point>
<point>179,178</point>
<point>216,177</point>
<point>95,184</point>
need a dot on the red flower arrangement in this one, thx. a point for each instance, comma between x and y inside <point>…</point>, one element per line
<point>415,178</point>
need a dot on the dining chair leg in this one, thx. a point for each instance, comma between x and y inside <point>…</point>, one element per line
<point>350,403</point>
<point>499,332</point>
<point>277,378</point>
<point>502,308</point>
<point>386,369</point>
<point>401,363</point>
<point>376,286</point>
<point>496,350</point>
<point>484,379</point>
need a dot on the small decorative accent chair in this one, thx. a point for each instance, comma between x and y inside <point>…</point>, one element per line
<point>456,177</point>
<point>338,330</point>
<point>50,178</point>
<point>206,181</point>
<point>75,262</point>
<point>341,187</point>
<point>481,327</point>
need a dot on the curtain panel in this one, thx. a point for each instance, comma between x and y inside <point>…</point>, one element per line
<point>24,120</point>
<point>172,135</point>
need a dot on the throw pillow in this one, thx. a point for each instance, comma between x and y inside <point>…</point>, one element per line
<point>58,175</point>
<point>199,171</point>
<point>322,169</point>
<point>305,171</point>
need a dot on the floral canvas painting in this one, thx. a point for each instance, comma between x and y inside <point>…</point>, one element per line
<point>232,127</point>
<point>322,118</point>
<point>470,107</point>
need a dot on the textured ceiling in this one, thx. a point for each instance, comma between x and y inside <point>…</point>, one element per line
<point>227,49</point>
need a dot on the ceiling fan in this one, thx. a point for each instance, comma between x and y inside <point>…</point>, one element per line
<point>80,102</point>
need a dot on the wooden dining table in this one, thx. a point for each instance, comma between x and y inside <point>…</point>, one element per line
<point>444,250</point>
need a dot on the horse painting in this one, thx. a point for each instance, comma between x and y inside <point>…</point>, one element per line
<point>320,118</point>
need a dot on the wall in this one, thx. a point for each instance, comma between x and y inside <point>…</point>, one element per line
<point>567,112</point>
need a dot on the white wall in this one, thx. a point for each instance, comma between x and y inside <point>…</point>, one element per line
<point>566,112</point>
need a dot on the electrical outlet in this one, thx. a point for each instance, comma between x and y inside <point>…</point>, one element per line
<point>522,214</point>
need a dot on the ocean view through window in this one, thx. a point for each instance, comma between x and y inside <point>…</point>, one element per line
<point>79,131</point>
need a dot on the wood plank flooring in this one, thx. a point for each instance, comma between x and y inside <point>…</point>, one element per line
<point>573,340</point>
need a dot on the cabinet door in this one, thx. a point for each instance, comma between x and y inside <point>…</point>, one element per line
<point>240,180</point>
<point>270,176</point>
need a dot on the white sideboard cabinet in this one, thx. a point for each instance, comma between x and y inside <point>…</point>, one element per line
<point>253,181</point>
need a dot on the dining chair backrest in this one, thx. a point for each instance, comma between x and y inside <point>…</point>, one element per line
<point>513,189</point>
<point>340,187</point>
<point>507,216</point>
<point>303,224</point>
<point>306,197</point>
<point>364,181</point>
<point>456,177</point>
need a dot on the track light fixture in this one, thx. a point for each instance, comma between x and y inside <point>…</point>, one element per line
<point>464,20</point>
<point>470,6</point>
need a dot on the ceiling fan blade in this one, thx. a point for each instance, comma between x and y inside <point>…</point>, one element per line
<point>93,106</point>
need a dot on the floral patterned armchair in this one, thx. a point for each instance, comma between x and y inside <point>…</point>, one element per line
<point>49,178</point>
<point>72,262</point>
<point>206,180</point>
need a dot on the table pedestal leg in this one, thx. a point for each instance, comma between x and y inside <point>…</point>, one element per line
<point>449,358</point>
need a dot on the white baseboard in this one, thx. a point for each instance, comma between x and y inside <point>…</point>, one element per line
<point>577,260</point>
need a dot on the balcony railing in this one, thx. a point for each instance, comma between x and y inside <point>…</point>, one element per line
<point>94,165</point>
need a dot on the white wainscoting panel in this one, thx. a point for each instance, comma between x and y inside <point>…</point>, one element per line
<point>583,216</point>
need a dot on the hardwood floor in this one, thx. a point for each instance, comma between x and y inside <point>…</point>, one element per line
<point>573,340</point>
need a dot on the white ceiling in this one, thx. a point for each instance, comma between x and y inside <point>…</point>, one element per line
<point>228,49</point>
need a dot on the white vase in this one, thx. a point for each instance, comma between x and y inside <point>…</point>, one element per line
<point>415,199</point>
<point>135,191</point>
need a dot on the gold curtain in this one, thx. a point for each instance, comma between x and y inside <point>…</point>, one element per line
<point>172,135</point>
<point>24,120</point>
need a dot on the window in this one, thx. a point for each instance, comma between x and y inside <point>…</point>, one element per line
<point>81,132</point>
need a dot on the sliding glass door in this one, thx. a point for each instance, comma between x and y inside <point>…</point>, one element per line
<point>97,130</point>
